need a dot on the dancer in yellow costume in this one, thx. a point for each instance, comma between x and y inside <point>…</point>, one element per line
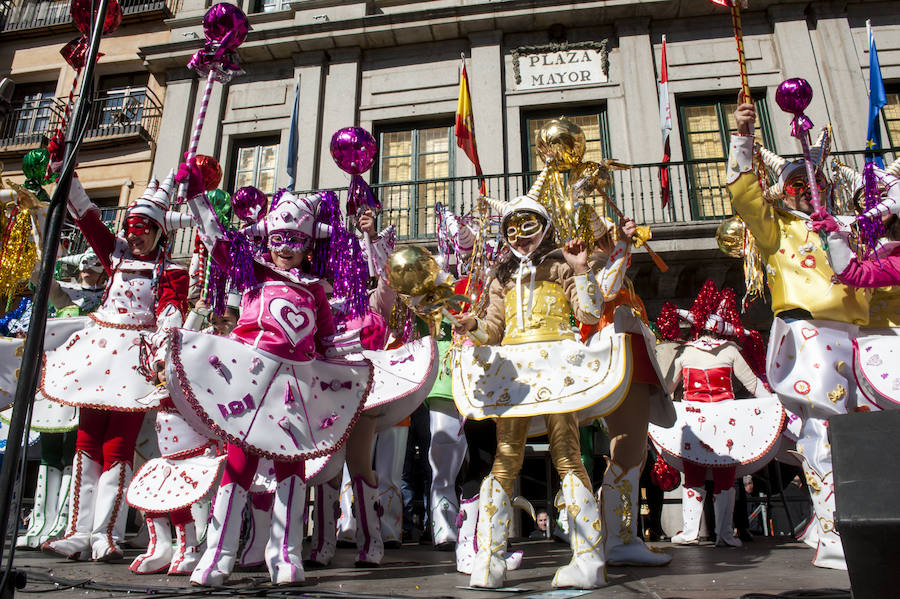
<point>539,368</point>
<point>816,318</point>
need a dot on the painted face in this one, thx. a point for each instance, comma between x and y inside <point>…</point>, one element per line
<point>797,194</point>
<point>92,279</point>
<point>287,248</point>
<point>141,234</point>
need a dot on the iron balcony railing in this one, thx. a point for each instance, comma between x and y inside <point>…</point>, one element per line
<point>115,116</point>
<point>23,15</point>
<point>698,195</point>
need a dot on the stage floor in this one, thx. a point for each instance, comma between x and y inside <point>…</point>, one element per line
<point>766,565</point>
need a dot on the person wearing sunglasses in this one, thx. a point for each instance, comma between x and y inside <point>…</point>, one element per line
<point>816,317</point>
<point>534,375</point>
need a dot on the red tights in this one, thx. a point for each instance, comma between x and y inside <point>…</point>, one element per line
<point>695,476</point>
<point>240,467</point>
<point>108,436</point>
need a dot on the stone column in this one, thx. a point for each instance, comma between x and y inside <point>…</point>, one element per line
<point>309,68</point>
<point>798,59</point>
<point>635,69</point>
<point>176,123</point>
<point>340,108</point>
<point>842,77</point>
<point>486,89</point>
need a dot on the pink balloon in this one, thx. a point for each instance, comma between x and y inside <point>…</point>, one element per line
<point>794,95</point>
<point>353,150</point>
<point>250,204</point>
<point>226,25</point>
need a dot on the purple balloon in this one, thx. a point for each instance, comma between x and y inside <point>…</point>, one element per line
<point>226,25</point>
<point>250,204</point>
<point>794,95</point>
<point>353,150</point>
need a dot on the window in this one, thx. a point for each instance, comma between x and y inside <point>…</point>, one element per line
<point>121,100</point>
<point>412,174</point>
<point>32,106</point>
<point>891,112</point>
<point>254,161</point>
<point>592,122</point>
<point>270,5</point>
<point>706,128</point>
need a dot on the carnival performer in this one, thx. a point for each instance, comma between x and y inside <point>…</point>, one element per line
<point>810,347</point>
<point>57,422</point>
<point>713,432</point>
<point>166,488</point>
<point>646,401</point>
<point>880,270</point>
<point>401,380</point>
<point>284,402</point>
<point>100,369</point>
<point>535,293</point>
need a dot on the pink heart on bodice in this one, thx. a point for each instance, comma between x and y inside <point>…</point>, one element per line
<point>296,321</point>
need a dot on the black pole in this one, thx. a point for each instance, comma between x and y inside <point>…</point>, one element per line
<point>34,344</point>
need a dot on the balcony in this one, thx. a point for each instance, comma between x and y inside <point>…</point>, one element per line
<point>699,200</point>
<point>37,17</point>
<point>115,117</point>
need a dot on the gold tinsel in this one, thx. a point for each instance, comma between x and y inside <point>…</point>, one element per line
<point>18,253</point>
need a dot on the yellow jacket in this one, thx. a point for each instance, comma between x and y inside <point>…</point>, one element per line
<point>797,268</point>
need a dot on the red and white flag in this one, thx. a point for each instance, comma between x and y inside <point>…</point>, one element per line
<point>465,125</point>
<point>665,123</point>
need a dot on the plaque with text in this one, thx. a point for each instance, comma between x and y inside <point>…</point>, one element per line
<point>561,65</point>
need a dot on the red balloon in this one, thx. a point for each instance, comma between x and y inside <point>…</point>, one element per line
<point>210,169</point>
<point>84,11</point>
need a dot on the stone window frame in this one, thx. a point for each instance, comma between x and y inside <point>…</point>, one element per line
<point>256,141</point>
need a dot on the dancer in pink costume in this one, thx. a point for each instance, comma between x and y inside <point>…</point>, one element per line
<point>100,368</point>
<point>284,400</point>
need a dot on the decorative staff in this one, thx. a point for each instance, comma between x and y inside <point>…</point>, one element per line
<point>793,96</point>
<point>354,150</point>
<point>225,27</point>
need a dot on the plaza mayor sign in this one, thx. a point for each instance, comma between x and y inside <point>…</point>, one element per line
<point>561,65</point>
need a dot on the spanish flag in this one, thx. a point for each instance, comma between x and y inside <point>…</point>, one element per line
<point>465,125</point>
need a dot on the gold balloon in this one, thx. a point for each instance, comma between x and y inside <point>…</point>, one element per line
<point>561,143</point>
<point>730,237</point>
<point>412,270</point>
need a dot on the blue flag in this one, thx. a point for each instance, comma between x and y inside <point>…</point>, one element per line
<point>877,100</point>
<point>293,140</point>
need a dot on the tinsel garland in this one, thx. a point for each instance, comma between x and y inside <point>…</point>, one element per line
<point>12,316</point>
<point>753,349</point>
<point>870,229</point>
<point>706,303</point>
<point>240,273</point>
<point>664,476</point>
<point>667,323</point>
<point>727,308</point>
<point>340,259</point>
<point>18,253</point>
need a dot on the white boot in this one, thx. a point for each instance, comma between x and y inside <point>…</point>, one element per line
<point>253,553</point>
<point>491,533</point>
<point>326,511</point>
<point>619,498</point>
<point>466,543</point>
<point>43,515</point>
<point>392,515</point>
<point>58,526</point>
<point>829,550</point>
<point>222,534</point>
<point>159,551</point>
<point>76,544</point>
<point>692,511</point>
<point>110,513</point>
<point>284,550</point>
<point>200,514</point>
<point>187,550</point>
<point>587,570</point>
<point>445,455</point>
<point>370,549</point>
<point>723,503</point>
<point>346,525</point>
